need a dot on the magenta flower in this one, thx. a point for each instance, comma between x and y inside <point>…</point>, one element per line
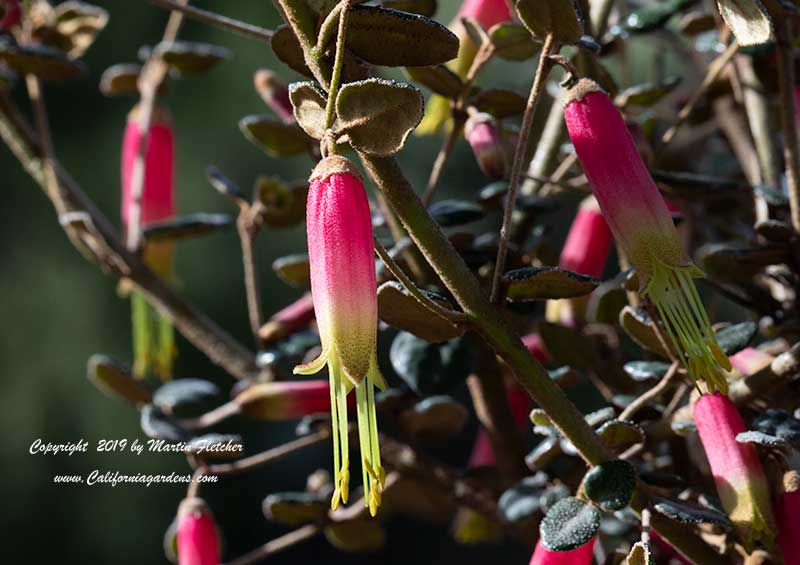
<point>535,346</point>
<point>487,146</point>
<point>343,285</point>
<point>741,484</point>
<point>153,337</point>
<point>10,13</point>
<point>295,317</point>
<point>579,556</point>
<point>643,228</point>
<point>750,360</point>
<point>288,400</point>
<point>198,542</point>
<point>788,516</point>
<point>275,94</point>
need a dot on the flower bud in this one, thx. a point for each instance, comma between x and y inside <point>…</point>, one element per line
<point>198,542</point>
<point>642,226</point>
<point>10,13</point>
<point>285,400</point>
<point>737,471</point>
<point>275,94</point>
<point>579,556</point>
<point>487,146</point>
<point>294,318</point>
<point>750,360</point>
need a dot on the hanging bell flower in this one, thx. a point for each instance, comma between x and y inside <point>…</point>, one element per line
<point>198,541</point>
<point>153,335</point>
<point>343,286</point>
<point>741,483</point>
<point>579,556</point>
<point>643,228</point>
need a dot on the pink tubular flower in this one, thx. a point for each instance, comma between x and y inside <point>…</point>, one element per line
<point>579,556</point>
<point>588,241</point>
<point>343,285</point>
<point>295,317</point>
<point>275,94</point>
<point>153,337</point>
<point>286,400</point>
<point>11,13</point>
<point>741,484</point>
<point>750,360</point>
<point>643,228</point>
<point>533,343</point>
<point>487,146</point>
<point>198,543</point>
<point>788,516</point>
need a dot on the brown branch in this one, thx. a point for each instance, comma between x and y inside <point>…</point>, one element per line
<point>216,20</point>
<point>99,236</point>
<point>277,545</point>
<point>791,145</point>
<point>652,393</point>
<point>247,234</point>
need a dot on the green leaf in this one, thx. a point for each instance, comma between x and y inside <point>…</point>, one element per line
<point>44,62</point>
<point>288,49</point>
<point>431,368</point>
<point>639,327</point>
<point>449,213</point>
<point>567,346</point>
<point>294,270</point>
<point>546,283</point>
<point>611,484</point>
<point>748,19</point>
<point>274,137</point>
<point>186,397</point>
<point>422,7</point>
<point>377,115</point>
<point>398,39</point>
<point>157,425</point>
<point>646,370</point>
<point>559,17</point>
<point>356,535</point>
<point>438,78</point>
<point>499,103</point>
<point>224,185</point>
<point>736,337</point>
<point>185,227</point>
<point>115,380</point>
<point>687,513</point>
<point>606,302</point>
<point>308,101</point>
<point>646,94</point>
<point>619,435</point>
<point>512,42</point>
<point>651,17</point>
<point>523,500</point>
<point>762,439</point>
<point>569,524</point>
<point>118,80</point>
<point>191,58</point>
<point>436,417</point>
<point>398,308</point>
<point>294,508</point>
<point>284,206</point>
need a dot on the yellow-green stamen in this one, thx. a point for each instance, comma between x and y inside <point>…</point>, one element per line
<point>672,291</point>
<point>372,472</point>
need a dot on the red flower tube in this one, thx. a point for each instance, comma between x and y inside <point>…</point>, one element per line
<point>741,484</point>
<point>153,337</point>
<point>198,543</point>
<point>750,360</point>
<point>643,228</point>
<point>11,13</point>
<point>343,286</point>
<point>579,556</point>
<point>788,516</point>
<point>295,317</point>
<point>275,94</point>
<point>487,146</point>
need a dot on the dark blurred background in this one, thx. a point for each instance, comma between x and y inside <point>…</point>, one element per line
<point>58,310</point>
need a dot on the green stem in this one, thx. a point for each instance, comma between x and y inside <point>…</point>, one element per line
<point>519,159</point>
<point>336,75</point>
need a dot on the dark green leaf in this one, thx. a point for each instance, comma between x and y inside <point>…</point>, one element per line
<point>619,435</point>
<point>275,137</point>
<point>646,94</point>
<point>736,337</point>
<point>398,308</point>
<point>569,524</point>
<point>284,206</point>
<point>44,62</point>
<point>559,17</point>
<point>650,17</point>
<point>431,368</point>
<point>512,42</point>
<point>157,425</point>
<point>499,103</point>
<point>191,58</point>
<point>308,101</point>
<point>186,227</point>
<point>438,417</point>
<point>546,283</point>
<point>522,501</point>
<point>288,49</point>
<point>639,327</point>
<point>224,185</point>
<point>610,484</point>
<point>184,397</point>
<point>762,439</point>
<point>567,346</point>
<point>294,270</point>
<point>449,213</point>
<point>378,115</point>
<point>115,380</point>
<point>294,508</point>
<point>356,535</point>
<point>422,7</point>
<point>646,370</point>
<point>438,78</point>
<point>687,513</point>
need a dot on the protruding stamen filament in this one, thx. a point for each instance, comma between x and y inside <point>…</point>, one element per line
<point>373,473</point>
<point>341,463</point>
<point>675,296</point>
